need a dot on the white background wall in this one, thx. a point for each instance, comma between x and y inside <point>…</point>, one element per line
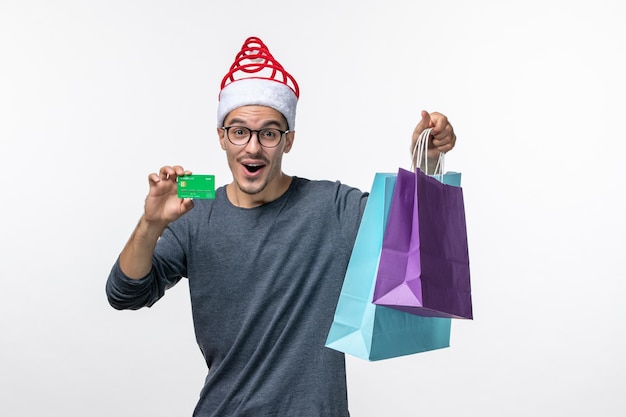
<point>96,95</point>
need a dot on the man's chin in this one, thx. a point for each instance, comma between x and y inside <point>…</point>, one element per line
<point>251,186</point>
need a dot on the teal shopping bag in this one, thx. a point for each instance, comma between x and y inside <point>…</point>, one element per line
<point>361,328</point>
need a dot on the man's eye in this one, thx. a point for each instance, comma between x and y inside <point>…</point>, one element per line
<point>270,134</point>
<point>239,132</point>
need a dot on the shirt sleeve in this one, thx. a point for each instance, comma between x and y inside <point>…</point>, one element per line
<point>350,203</point>
<point>168,267</point>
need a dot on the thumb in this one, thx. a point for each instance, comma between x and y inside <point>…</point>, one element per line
<point>425,122</point>
<point>185,205</point>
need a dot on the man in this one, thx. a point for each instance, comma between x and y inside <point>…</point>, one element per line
<point>265,259</point>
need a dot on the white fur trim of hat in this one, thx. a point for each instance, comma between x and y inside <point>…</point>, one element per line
<point>260,92</point>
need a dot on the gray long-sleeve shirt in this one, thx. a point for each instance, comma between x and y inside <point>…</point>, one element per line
<point>264,284</point>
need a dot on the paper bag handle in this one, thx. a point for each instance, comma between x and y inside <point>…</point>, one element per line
<point>421,149</point>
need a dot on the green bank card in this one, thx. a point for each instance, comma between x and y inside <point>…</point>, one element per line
<point>196,186</point>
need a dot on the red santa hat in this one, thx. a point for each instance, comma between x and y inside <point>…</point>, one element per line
<point>256,78</point>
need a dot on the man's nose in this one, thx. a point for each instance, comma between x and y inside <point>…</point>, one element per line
<point>254,144</point>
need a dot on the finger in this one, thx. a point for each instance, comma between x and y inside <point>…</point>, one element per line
<point>445,148</point>
<point>439,123</point>
<point>442,128</point>
<point>186,205</point>
<point>445,136</point>
<point>179,170</point>
<point>446,143</point>
<point>165,172</point>
<point>153,178</point>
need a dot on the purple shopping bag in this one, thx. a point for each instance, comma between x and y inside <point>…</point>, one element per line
<point>424,263</point>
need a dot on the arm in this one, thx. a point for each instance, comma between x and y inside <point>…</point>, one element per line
<point>132,282</point>
<point>162,206</point>
<point>442,137</point>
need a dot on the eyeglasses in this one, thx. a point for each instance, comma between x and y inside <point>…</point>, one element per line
<point>240,136</point>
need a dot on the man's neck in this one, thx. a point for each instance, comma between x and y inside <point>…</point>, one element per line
<point>270,193</point>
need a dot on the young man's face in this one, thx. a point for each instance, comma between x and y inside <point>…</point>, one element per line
<point>257,173</point>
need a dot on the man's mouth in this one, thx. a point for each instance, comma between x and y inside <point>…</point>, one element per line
<point>252,168</point>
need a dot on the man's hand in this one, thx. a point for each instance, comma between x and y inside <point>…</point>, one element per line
<point>162,207</point>
<point>442,138</point>
<point>162,204</point>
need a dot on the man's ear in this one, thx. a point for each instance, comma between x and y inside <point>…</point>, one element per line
<point>290,137</point>
<point>221,133</point>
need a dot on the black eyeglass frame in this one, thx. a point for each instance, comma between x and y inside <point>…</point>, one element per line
<point>258,135</point>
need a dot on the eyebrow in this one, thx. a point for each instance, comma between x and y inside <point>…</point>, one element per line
<point>267,123</point>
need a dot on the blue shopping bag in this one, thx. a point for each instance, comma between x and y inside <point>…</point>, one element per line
<point>361,328</point>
